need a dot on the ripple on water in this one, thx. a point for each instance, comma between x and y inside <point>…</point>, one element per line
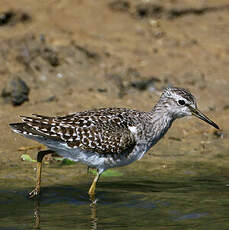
<point>192,216</point>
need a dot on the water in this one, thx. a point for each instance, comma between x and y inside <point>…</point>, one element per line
<point>128,202</point>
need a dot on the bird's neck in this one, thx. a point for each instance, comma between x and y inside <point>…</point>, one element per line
<point>158,124</point>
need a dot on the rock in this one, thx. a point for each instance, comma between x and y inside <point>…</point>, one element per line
<point>144,84</point>
<point>5,18</point>
<point>13,17</point>
<point>15,91</point>
<point>146,10</point>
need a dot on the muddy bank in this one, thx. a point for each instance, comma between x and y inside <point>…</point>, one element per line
<point>77,55</point>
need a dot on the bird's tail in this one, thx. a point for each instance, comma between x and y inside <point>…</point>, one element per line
<point>23,129</point>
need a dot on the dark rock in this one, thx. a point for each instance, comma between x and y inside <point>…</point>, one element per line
<point>12,18</point>
<point>175,13</point>
<point>102,90</point>
<point>145,10</point>
<point>5,17</point>
<point>152,10</point>
<point>24,17</point>
<point>144,84</point>
<point>16,91</point>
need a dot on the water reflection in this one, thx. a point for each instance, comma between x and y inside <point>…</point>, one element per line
<point>93,216</point>
<point>135,204</point>
<point>37,214</point>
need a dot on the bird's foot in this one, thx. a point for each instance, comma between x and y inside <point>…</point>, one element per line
<point>93,202</point>
<point>35,192</point>
<point>92,197</point>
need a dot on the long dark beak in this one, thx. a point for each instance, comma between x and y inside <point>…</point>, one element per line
<point>200,115</point>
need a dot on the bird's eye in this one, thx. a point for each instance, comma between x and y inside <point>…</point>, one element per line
<point>181,102</point>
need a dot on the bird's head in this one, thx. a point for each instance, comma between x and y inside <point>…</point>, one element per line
<point>180,102</point>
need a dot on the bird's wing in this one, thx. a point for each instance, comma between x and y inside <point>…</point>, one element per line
<point>96,132</point>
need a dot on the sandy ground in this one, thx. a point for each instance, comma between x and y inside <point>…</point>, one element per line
<point>76,55</point>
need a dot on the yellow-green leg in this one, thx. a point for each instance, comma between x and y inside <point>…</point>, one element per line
<point>40,156</point>
<point>91,191</point>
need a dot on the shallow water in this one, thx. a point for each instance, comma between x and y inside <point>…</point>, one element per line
<point>124,202</point>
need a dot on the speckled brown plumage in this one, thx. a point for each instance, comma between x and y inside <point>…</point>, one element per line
<point>104,131</point>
